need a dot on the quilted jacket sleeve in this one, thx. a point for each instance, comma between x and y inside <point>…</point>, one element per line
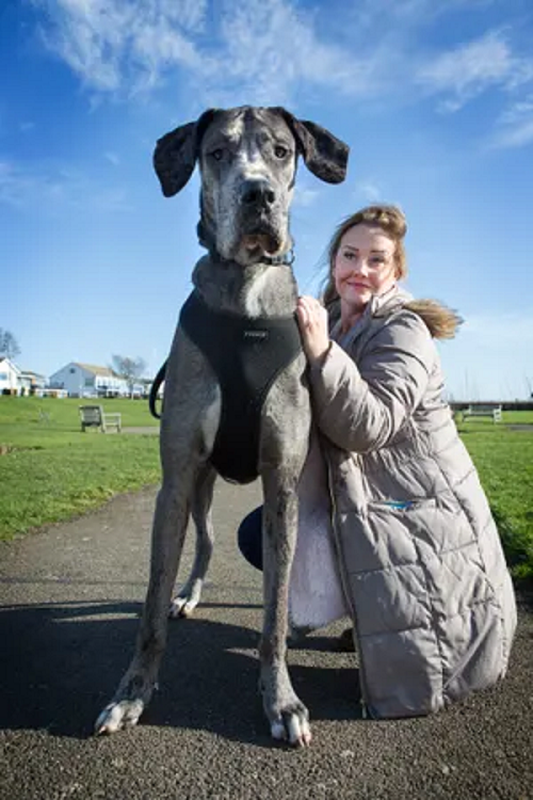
<point>362,407</point>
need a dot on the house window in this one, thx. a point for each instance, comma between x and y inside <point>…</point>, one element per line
<point>72,370</point>
<point>3,376</point>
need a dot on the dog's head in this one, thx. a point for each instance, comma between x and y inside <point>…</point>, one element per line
<point>247,158</point>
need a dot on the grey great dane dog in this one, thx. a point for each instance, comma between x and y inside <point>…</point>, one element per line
<point>247,158</point>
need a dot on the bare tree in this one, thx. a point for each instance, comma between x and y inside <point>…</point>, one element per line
<point>8,344</point>
<point>128,368</point>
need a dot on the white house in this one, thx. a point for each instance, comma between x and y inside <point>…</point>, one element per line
<point>32,383</point>
<point>9,376</point>
<point>88,380</point>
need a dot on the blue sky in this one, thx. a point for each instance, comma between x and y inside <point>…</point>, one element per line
<point>434,97</point>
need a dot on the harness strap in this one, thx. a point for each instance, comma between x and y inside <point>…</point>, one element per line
<point>246,355</point>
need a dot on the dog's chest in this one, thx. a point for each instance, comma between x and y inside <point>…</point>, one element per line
<point>246,355</point>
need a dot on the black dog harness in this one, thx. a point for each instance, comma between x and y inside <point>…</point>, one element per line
<point>246,355</point>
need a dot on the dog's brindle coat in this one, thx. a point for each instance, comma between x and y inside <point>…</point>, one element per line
<point>247,159</point>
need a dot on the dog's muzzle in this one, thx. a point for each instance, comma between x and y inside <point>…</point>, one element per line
<point>263,231</point>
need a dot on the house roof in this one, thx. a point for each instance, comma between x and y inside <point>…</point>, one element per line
<point>96,370</point>
<point>28,373</point>
<point>8,361</point>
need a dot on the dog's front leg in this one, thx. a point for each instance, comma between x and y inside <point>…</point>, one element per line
<point>168,532</point>
<point>288,717</point>
<point>189,595</point>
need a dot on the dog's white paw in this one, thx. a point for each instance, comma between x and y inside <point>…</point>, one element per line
<point>182,607</point>
<point>116,716</point>
<point>293,726</point>
<point>186,599</point>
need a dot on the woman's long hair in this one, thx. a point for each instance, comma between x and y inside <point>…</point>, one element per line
<point>387,217</point>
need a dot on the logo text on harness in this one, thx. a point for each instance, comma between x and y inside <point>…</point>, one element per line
<point>256,335</point>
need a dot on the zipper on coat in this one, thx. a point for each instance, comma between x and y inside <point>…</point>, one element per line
<point>344,581</point>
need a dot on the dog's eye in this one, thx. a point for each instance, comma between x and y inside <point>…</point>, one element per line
<point>217,154</point>
<point>280,151</point>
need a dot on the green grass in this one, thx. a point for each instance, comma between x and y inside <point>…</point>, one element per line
<point>50,471</point>
<point>504,460</point>
<point>520,417</point>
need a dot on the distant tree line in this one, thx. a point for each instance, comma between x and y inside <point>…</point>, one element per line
<point>8,345</point>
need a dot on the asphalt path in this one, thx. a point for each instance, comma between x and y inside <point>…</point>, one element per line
<point>71,595</point>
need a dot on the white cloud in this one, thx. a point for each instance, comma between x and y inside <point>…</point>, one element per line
<point>118,46</point>
<point>384,16</point>
<point>500,329</point>
<point>273,49</point>
<point>518,112</point>
<point>491,357</point>
<point>515,127</point>
<point>514,136</point>
<point>51,187</point>
<point>304,197</point>
<point>370,190</point>
<point>470,69</point>
<point>263,50</point>
<point>13,185</point>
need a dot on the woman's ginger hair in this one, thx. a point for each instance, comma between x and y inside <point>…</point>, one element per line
<point>390,219</point>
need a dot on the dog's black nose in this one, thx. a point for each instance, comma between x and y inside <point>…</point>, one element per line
<point>257,192</point>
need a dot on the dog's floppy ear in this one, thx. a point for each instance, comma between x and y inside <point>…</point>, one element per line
<point>176,154</point>
<point>323,154</point>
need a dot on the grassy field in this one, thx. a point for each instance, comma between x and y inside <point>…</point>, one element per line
<point>50,471</point>
<point>504,459</point>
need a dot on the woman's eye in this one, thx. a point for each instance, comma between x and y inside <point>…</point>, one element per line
<point>280,151</point>
<point>217,154</point>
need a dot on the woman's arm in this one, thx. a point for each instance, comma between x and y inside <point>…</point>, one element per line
<point>362,407</point>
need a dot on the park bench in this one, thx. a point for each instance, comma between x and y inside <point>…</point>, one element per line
<point>94,417</point>
<point>493,410</point>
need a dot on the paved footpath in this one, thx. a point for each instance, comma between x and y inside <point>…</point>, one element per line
<point>70,597</point>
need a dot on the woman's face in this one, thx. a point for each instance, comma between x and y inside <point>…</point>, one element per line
<point>364,266</point>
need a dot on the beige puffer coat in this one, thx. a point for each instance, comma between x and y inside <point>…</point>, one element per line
<point>418,563</point>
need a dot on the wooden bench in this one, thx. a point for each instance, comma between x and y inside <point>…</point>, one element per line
<point>94,417</point>
<point>484,410</point>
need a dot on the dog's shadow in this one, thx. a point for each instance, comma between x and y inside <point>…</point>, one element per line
<point>61,662</point>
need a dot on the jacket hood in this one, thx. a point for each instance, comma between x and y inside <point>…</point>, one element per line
<point>441,321</point>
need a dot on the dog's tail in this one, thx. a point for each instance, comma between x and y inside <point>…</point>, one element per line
<point>152,399</point>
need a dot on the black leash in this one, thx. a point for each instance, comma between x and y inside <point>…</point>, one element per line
<point>152,399</point>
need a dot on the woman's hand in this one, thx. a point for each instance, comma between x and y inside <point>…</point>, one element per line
<point>313,321</point>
